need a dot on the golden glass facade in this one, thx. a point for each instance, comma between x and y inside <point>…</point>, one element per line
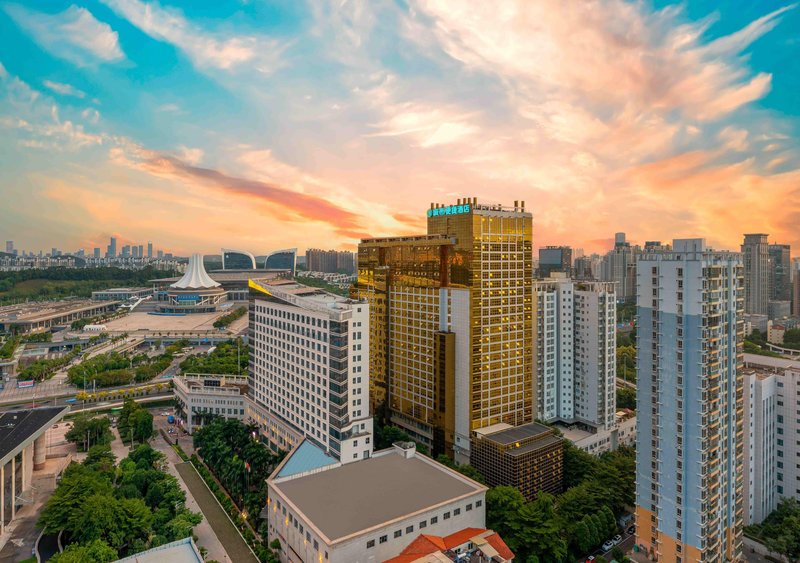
<point>485,251</point>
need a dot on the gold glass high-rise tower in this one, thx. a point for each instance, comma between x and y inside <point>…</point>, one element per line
<point>451,323</point>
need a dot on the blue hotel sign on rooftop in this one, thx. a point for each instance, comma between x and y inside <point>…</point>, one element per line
<point>449,210</point>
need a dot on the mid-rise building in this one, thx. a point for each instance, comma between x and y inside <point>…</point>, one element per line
<point>10,247</point>
<point>555,259</point>
<point>755,253</point>
<point>529,457</point>
<point>309,369</point>
<point>367,511</point>
<point>690,404</point>
<point>451,323</point>
<point>575,341</point>
<point>237,260</point>
<point>199,398</point>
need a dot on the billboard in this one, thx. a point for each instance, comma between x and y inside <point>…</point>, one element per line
<point>25,384</point>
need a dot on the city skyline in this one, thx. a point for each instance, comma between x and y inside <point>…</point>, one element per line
<point>201,125</point>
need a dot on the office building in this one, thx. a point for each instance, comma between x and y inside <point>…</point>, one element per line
<point>96,253</point>
<point>282,260</point>
<point>111,252</point>
<point>777,310</point>
<point>619,266</point>
<point>140,252</point>
<point>587,267</point>
<point>149,249</point>
<point>160,254</point>
<point>574,346</point>
<point>199,398</point>
<point>772,427</point>
<point>309,369</point>
<point>780,272</point>
<point>529,457</point>
<point>134,251</point>
<point>555,259</point>
<point>369,510</point>
<point>451,323</point>
<point>690,404</point>
<point>10,247</point>
<point>237,260</point>
<point>755,253</point>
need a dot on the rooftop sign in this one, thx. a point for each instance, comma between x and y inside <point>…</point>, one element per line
<point>449,210</point>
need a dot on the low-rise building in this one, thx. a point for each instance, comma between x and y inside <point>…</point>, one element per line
<point>201,397</point>
<point>122,293</point>
<point>596,440</point>
<point>42,316</point>
<point>529,457</point>
<point>474,545</point>
<point>368,510</point>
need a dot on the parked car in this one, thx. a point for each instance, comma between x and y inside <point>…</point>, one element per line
<point>590,559</point>
<point>631,531</point>
<point>608,545</point>
<point>616,539</point>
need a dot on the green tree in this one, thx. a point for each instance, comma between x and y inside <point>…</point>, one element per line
<point>65,506</point>
<point>626,398</point>
<point>102,460</point>
<point>142,423</point>
<point>96,551</point>
<point>540,532</point>
<point>578,465</point>
<point>87,431</point>
<point>584,540</point>
<point>503,506</point>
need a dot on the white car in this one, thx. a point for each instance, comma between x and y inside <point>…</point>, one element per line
<point>608,546</point>
<point>616,539</point>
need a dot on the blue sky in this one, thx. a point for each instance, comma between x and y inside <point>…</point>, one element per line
<point>268,125</point>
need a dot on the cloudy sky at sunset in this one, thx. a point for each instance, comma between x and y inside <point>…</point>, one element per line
<point>270,124</point>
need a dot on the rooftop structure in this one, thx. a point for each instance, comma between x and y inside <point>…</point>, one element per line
<point>199,397</point>
<point>475,545</point>
<point>369,510</point>
<point>181,551</point>
<point>195,276</point>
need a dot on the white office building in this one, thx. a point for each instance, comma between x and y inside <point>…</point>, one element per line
<point>575,350</point>
<point>772,434</point>
<point>368,511</point>
<point>199,398</point>
<point>309,369</point>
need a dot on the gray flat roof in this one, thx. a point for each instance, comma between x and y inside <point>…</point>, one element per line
<point>367,493</point>
<point>517,433</point>
<point>533,446</point>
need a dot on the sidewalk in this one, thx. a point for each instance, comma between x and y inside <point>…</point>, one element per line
<point>206,537</point>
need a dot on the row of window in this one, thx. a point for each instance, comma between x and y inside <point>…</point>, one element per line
<point>424,523</point>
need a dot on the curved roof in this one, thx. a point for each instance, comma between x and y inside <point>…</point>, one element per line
<point>195,276</point>
<point>242,253</point>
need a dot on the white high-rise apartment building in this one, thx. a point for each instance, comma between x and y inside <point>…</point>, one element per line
<point>772,434</point>
<point>575,342</point>
<point>690,404</point>
<point>309,369</point>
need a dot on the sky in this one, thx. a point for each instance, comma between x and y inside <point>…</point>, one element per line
<point>262,125</point>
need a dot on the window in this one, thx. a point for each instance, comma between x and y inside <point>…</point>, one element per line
<point>456,512</point>
<point>434,520</point>
<point>478,504</point>
<point>469,507</point>
<point>383,539</point>
<point>370,543</point>
<point>423,524</point>
<point>316,544</point>
<point>398,533</point>
<point>446,516</point>
<point>410,529</point>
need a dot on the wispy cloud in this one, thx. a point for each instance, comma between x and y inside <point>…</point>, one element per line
<point>74,34</point>
<point>63,89</point>
<point>206,50</point>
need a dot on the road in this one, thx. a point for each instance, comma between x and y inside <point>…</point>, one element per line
<point>625,545</point>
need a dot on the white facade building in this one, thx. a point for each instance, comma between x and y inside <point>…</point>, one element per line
<point>367,511</point>
<point>772,432</point>
<point>575,351</point>
<point>309,369</point>
<point>199,397</point>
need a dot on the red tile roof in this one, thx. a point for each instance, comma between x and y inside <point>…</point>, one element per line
<point>426,545</point>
